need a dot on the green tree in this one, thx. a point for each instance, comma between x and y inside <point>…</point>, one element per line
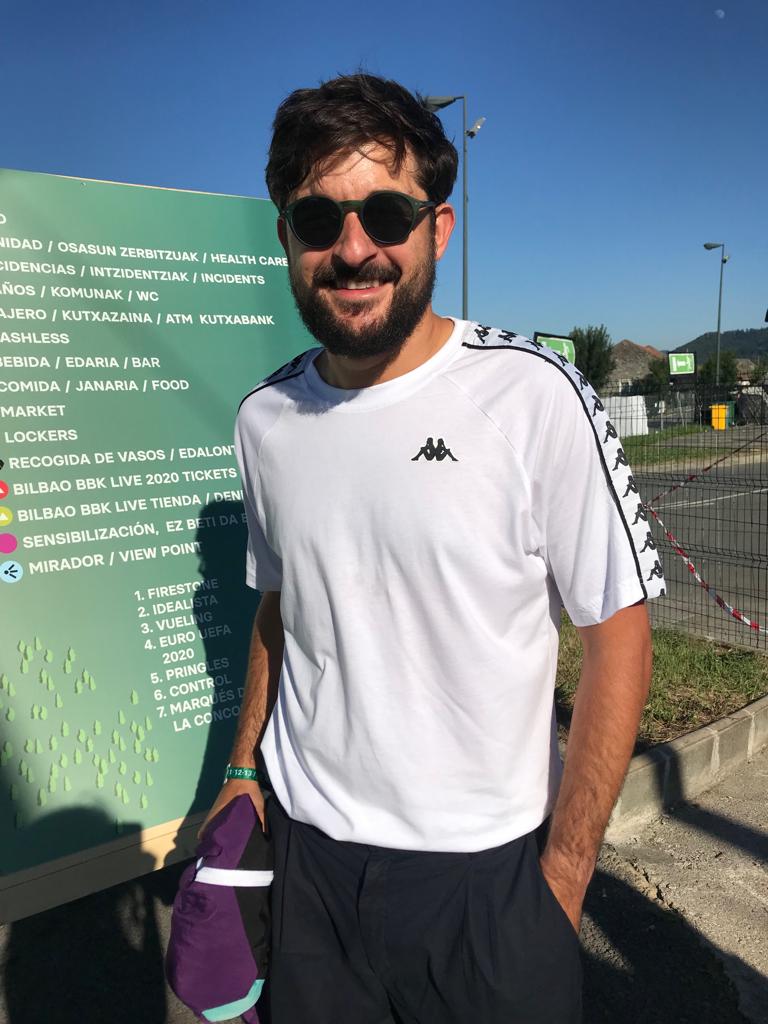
<point>594,353</point>
<point>657,377</point>
<point>729,372</point>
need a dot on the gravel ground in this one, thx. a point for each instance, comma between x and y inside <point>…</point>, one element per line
<point>707,864</point>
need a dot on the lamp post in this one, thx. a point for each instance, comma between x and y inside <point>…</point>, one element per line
<point>435,103</point>
<point>723,260</point>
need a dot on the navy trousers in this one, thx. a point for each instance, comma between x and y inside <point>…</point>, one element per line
<point>370,935</point>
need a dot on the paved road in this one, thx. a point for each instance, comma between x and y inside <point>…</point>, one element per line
<point>673,919</point>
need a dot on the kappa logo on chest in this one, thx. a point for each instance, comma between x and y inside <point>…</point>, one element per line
<point>432,451</point>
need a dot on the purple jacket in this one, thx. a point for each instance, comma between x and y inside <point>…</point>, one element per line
<point>220,926</point>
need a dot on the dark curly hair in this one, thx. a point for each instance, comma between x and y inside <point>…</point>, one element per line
<point>314,125</point>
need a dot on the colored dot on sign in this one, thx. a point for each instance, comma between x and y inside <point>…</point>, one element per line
<point>6,516</point>
<point>3,489</point>
<point>8,543</point>
<point>11,572</point>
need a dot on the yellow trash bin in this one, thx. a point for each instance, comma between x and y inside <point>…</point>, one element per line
<point>719,416</point>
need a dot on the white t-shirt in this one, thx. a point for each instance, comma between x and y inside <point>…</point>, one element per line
<point>423,533</point>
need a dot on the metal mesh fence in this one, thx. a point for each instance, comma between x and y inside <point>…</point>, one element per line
<point>700,458</point>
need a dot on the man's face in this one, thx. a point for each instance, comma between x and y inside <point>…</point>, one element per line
<point>357,297</point>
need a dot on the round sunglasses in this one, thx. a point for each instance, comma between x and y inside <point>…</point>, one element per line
<point>387,217</point>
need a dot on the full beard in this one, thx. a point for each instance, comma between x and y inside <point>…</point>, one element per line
<point>384,336</point>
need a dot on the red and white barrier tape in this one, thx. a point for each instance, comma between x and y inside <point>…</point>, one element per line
<point>677,547</point>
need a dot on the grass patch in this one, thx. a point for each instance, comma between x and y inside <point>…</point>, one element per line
<point>652,449</point>
<point>695,682</point>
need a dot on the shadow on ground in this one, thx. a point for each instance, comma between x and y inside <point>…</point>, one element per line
<point>643,962</point>
<point>98,960</point>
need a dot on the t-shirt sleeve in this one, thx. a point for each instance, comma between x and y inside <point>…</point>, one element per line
<point>592,527</point>
<point>263,567</point>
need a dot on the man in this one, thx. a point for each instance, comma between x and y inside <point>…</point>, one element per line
<point>423,495</point>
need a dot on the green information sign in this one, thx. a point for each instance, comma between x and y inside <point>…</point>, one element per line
<point>558,343</point>
<point>682,362</point>
<point>132,322</point>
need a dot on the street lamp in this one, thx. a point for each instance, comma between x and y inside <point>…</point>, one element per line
<point>723,260</point>
<point>435,103</point>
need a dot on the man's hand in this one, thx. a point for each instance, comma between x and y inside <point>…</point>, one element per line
<point>264,662</point>
<point>615,675</point>
<point>228,792</point>
<point>569,896</point>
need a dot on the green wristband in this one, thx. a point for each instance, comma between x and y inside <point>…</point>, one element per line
<point>253,774</point>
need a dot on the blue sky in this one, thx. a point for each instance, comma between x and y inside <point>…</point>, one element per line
<point>620,135</point>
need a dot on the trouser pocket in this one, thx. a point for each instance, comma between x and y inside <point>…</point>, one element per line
<point>522,955</point>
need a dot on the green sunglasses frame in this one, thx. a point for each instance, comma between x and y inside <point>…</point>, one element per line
<point>356,205</point>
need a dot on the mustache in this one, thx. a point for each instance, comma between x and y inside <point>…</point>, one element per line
<point>338,272</point>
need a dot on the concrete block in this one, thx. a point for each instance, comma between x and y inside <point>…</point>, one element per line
<point>680,770</point>
<point>691,767</point>
<point>643,788</point>
<point>641,797</point>
<point>733,735</point>
<point>759,712</point>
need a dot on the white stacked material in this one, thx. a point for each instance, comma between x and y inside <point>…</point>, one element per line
<point>627,414</point>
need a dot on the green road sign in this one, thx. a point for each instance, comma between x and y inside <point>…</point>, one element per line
<point>558,343</point>
<point>682,362</point>
<point>132,322</point>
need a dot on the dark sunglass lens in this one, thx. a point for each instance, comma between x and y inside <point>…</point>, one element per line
<point>316,221</point>
<point>388,217</point>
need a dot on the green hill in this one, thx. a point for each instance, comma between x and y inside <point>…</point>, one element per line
<point>750,344</point>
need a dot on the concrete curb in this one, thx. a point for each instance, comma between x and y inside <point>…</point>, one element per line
<point>683,768</point>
